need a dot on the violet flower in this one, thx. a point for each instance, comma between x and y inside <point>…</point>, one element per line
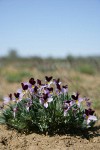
<point>8,99</point>
<point>49,91</point>
<point>56,81</point>
<point>48,80</point>
<point>24,89</point>
<point>77,100</point>
<point>32,82</point>
<point>35,90</point>
<point>18,96</point>
<point>89,116</point>
<point>28,105</point>
<point>42,89</point>
<point>58,89</point>
<point>24,86</point>
<point>39,82</point>
<point>65,89</point>
<point>45,100</point>
<point>88,103</point>
<point>66,106</point>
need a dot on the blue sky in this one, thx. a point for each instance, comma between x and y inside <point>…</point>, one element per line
<point>50,27</point>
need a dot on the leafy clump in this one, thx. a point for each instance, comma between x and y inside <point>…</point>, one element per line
<point>46,107</point>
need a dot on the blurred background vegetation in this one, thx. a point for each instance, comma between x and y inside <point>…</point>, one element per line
<point>82,74</point>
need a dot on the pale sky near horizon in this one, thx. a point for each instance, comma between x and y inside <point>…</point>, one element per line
<point>50,27</point>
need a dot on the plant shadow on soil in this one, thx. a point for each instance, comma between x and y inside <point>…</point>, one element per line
<point>84,134</point>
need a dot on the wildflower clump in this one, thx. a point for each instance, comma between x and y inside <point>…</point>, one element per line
<point>46,107</point>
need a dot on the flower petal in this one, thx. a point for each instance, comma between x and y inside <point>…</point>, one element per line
<point>94,118</point>
<point>46,105</point>
<point>50,99</point>
<point>6,100</point>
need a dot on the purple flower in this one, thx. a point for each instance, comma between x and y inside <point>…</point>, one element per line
<point>24,86</point>
<point>35,90</point>
<point>10,96</point>
<point>48,80</point>
<point>88,115</point>
<point>89,111</point>
<point>65,89</point>
<point>77,99</point>
<point>28,104</point>
<point>39,82</point>
<point>56,81</point>
<point>32,82</point>
<point>24,89</point>
<point>88,103</point>
<point>8,99</point>
<point>45,100</point>
<point>58,89</point>
<point>42,89</point>
<point>48,91</point>
<point>66,106</point>
<point>18,96</point>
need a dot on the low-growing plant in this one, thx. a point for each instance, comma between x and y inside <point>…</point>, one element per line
<point>46,107</point>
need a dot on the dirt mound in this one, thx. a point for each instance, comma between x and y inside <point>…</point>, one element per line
<point>12,140</point>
